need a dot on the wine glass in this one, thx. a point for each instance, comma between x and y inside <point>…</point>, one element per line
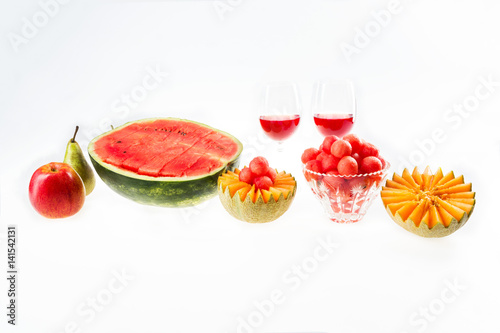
<point>334,107</point>
<point>280,111</point>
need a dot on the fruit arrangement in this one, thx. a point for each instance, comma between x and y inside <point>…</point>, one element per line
<point>345,175</point>
<point>426,204</point>
<point>175,163</point>
<point>58,190</point>
<point>164,161</point>
<point>257,193</point>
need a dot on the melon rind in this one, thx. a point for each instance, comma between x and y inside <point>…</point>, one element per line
<point>423,229</point>
<point>258,212</point>
<point>161,191</point>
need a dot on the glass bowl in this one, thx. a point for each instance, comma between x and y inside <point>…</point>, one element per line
<point>346,199</point>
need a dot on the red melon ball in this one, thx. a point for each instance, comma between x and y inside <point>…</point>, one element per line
<point>355,142</point>
<point>367,149</point>
<point>321,156</point>
<point>370,164</point>
<point>246,175</point>
<point>357,184</point>
<point>334,183</point>
<point>329,163</point>
<point>327,143</point>
<point>341,148</point>
<point>357,157</point>
<point>309,154</point>
<point>263,182</point>
<point>315,166</point>
<point>347,166</point>
<point>259,166</point>
<point>272,173</point>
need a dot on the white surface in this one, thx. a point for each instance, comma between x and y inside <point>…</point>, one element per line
<point>200,270</point>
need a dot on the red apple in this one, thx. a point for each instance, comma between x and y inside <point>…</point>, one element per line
<point>56,190</point>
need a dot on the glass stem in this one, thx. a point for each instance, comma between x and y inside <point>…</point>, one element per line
<point>280,147</point>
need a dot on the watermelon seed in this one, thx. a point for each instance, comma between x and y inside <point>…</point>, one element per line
<point>124,151</point>
<point>119,141</point>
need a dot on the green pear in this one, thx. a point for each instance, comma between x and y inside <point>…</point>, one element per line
<point>74,157</point>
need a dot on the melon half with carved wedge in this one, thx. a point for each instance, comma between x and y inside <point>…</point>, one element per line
<point>249,203</point>
<point>429,205</point>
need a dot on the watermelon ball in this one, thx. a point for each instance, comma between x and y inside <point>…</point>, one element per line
<point>246,175</point>
<point>263,182</point>
<point>327,143</point>
<point>272,174</point>
<point>367,149</point>
<point>357,184</point>
<point>259,166</point>
<point>341,148</point>
<point>355,142</point>
<point>321,156</point>
<point>357,157</point>
<point>309,154</point>
<point>347,166</point>
<point>334,183</point>
<point>370,164</point>
<point>315,166</point>
<point>329,163</point>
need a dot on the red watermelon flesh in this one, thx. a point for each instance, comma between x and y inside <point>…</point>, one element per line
<point>205,165</point>
<point>166,148</point>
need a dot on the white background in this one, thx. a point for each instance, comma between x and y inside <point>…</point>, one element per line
<point>200,270</point>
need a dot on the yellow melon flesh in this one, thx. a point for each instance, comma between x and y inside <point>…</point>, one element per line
<point>266,195</point>
<point>396,185</point>
<point>467,207</point>
<point>455,189</point>
<point>435,218</point>
<point>465,195</point>
<point>234,187</point>
<point>407,176</point>
<point>449,176</point>
<point>405,211</point>
<point>394,207</point>
<point>427,177</point>
<point>429,205</point>
<point>418,213</point>
<point>436,178</point>
<point>398,198</point>
<point>250,204</point>
<point>417,177</point>
<point>275,192</point>
<point>426,219</point>
<point>453,182</point>
<point>254,194</point>
<point>243,192</point>
<point>400,180</point>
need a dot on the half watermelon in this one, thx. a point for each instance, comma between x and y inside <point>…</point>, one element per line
<point>164,161</point>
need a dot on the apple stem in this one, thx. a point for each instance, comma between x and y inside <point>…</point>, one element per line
<point>74,135</point>
<point>112,127</point>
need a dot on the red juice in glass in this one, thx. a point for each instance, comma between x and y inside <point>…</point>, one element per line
<point>279,127</point>
<point>334,124</point>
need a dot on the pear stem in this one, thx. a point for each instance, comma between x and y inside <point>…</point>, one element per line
<point>74,135</point>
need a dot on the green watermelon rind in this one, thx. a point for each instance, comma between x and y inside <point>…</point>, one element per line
<point>162,191</point>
